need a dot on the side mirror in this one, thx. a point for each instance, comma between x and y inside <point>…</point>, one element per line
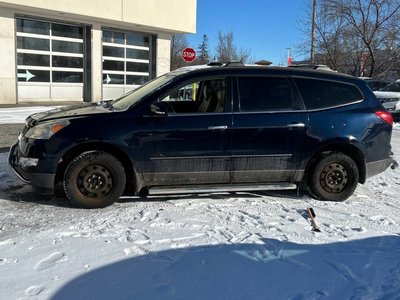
<point>158,109</point>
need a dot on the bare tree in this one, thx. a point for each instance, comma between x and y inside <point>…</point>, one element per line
<point>227,50</point>
<point>372,23</point>
<point>178,43</point>
<point>360,37</point>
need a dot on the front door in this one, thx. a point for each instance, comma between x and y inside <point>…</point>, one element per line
<point>190,143</point>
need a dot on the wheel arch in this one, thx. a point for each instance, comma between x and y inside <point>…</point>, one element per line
<point>351,150</point>
<point>118,153</point>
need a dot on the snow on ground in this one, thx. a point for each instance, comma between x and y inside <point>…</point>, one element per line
<point>14,115</point>
<point>213,246</point>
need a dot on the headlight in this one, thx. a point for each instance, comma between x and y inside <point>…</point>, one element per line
<point>45,130</point>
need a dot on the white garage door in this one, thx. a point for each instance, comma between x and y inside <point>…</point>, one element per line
<point>126,62</point>
<point>50,61</point>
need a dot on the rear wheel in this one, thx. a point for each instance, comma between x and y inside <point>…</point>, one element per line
<point>335,177</point>
<point>94,180</point>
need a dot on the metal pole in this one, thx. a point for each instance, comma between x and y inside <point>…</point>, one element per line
<point>314,15</point>
<point>289,54</point>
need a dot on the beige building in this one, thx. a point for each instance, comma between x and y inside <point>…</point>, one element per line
<point>85,50</point>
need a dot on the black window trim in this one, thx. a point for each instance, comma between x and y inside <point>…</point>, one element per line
<point>297,107</point>
<point>324,79</point>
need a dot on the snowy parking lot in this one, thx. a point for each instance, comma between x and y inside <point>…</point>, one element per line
<point>212,246</point>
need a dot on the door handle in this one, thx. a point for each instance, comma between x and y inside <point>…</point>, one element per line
<point>296,125</point>
<point>218,127</point>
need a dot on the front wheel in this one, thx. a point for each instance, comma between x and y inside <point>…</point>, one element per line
<point>335,177</point>
<point>94,180</point>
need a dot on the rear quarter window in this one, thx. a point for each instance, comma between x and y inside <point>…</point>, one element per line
<point>318,94</point>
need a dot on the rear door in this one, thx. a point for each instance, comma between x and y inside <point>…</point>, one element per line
<point>268,129</point>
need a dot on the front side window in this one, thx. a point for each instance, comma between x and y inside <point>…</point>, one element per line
<point>207,96</point>
<point>264,94</point>
<point>318,94</point>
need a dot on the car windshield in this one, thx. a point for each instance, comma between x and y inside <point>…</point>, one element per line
<point>133,97</point>
<point>392,87</point>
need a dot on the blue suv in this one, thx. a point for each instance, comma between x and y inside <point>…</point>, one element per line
<point>211,129</point>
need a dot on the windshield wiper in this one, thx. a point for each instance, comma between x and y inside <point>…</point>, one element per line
<point>106,104</point>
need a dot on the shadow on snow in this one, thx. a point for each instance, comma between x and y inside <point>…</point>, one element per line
<point>368,268</point>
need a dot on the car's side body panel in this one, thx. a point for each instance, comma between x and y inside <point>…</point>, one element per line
<point>186,149</point>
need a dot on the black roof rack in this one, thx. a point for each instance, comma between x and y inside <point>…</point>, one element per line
<point>263,62</point>
<point>234,63</point>
<point>311,67</point>
<point>215,64</point>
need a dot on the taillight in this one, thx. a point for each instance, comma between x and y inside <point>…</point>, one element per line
<point>385,116</point>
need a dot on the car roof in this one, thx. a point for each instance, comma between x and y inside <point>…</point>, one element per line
<point>241,69</point>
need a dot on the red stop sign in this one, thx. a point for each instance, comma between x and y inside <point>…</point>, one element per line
<point>188,54</point>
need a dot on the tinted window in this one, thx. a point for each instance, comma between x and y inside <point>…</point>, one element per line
<point>137,67</point>
<point>114,65</point>
<point>67,31</point>
<point>136,80</point>
<point>137,54</point>
<point>33,75</point>
<point>113,51</point>
<point>67,62</point>
<point>31,26</point>
<point>28,59</point>
<point>33,43</point>
<point>64,46</point>
<point>67,76</point>
<point>393,87</point>
<point>206,96</point>
<point>264,94</point>
<point>113,79</point>
<point>113,37</point>
<point>323,94</point>
<point>137,40</point>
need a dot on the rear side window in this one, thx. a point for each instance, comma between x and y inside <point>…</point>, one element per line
<point>264,94</point>
<point>319,94</point>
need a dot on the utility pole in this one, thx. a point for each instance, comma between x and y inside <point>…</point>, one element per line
<point>314,15</point>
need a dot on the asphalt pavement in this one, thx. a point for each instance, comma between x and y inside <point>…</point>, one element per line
<point>9,132</point>
<point>8,135</point>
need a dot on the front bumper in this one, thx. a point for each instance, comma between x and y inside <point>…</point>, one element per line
<point>42,183</point>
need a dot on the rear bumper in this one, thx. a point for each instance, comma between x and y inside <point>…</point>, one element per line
<point>42,183</point>
<point>380,166</point>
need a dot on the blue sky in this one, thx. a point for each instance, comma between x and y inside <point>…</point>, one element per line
<point>266,27</point>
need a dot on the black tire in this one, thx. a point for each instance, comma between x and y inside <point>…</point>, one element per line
<point>94,180</point>
<point>334,178</point>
